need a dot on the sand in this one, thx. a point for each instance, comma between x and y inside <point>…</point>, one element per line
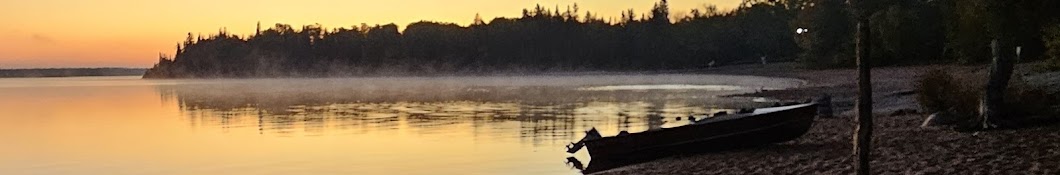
<point>900,145</point>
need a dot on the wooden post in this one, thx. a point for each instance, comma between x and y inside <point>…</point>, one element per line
<point>863,137</point>
<point>1000,73</point>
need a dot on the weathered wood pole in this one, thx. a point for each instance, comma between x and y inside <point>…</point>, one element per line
<point>1000,73</point>
<point>863,138</point>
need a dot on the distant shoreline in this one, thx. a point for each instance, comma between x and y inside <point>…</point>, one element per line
<point>69,72</point>
<point>518,72</point>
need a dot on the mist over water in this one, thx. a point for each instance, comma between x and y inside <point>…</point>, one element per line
<point>382,125</point>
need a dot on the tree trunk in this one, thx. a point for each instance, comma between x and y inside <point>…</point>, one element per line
<point>863,139</point>
<point>1000,73</point>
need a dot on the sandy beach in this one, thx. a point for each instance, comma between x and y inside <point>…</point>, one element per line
<point>900,145</point>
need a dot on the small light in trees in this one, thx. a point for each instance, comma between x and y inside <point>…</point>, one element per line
<point>801,30</point>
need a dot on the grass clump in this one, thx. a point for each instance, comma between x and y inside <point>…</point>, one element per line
<point>939,91</point>
<point>1052,52</point>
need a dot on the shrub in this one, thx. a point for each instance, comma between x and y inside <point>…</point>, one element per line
<point>931,90</point>
<point>1052,45</point>
<point>1024,100</point>
<point>940,91</point>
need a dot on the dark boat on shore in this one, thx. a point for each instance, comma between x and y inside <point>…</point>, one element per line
<point>757,127</point>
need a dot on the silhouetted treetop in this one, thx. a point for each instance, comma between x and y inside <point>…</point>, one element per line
<point>555,39</point>
<point>542,39</point>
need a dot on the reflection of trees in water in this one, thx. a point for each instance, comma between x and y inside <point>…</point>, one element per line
<point>553,123</point>
<point>540,115</point>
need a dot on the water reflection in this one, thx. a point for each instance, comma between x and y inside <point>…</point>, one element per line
<point>437,125</point>
<point>539,115</point>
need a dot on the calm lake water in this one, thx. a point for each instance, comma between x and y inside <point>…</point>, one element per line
<point>427,125</point>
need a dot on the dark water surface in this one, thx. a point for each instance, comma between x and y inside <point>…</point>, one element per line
<point>435,125</point>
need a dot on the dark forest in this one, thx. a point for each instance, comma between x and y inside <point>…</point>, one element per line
<point>565,39</point>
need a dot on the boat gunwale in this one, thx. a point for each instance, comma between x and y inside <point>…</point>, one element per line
<point>711,120</point>
<point>719,136</point>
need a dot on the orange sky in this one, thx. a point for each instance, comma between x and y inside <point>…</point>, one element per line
<point>131,33</point>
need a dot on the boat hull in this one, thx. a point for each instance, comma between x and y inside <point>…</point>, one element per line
<point>737,132</point>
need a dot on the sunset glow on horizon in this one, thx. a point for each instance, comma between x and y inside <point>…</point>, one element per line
<point>129,33</point>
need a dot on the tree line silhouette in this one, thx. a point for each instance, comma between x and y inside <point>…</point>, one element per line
<point>551,39</point>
